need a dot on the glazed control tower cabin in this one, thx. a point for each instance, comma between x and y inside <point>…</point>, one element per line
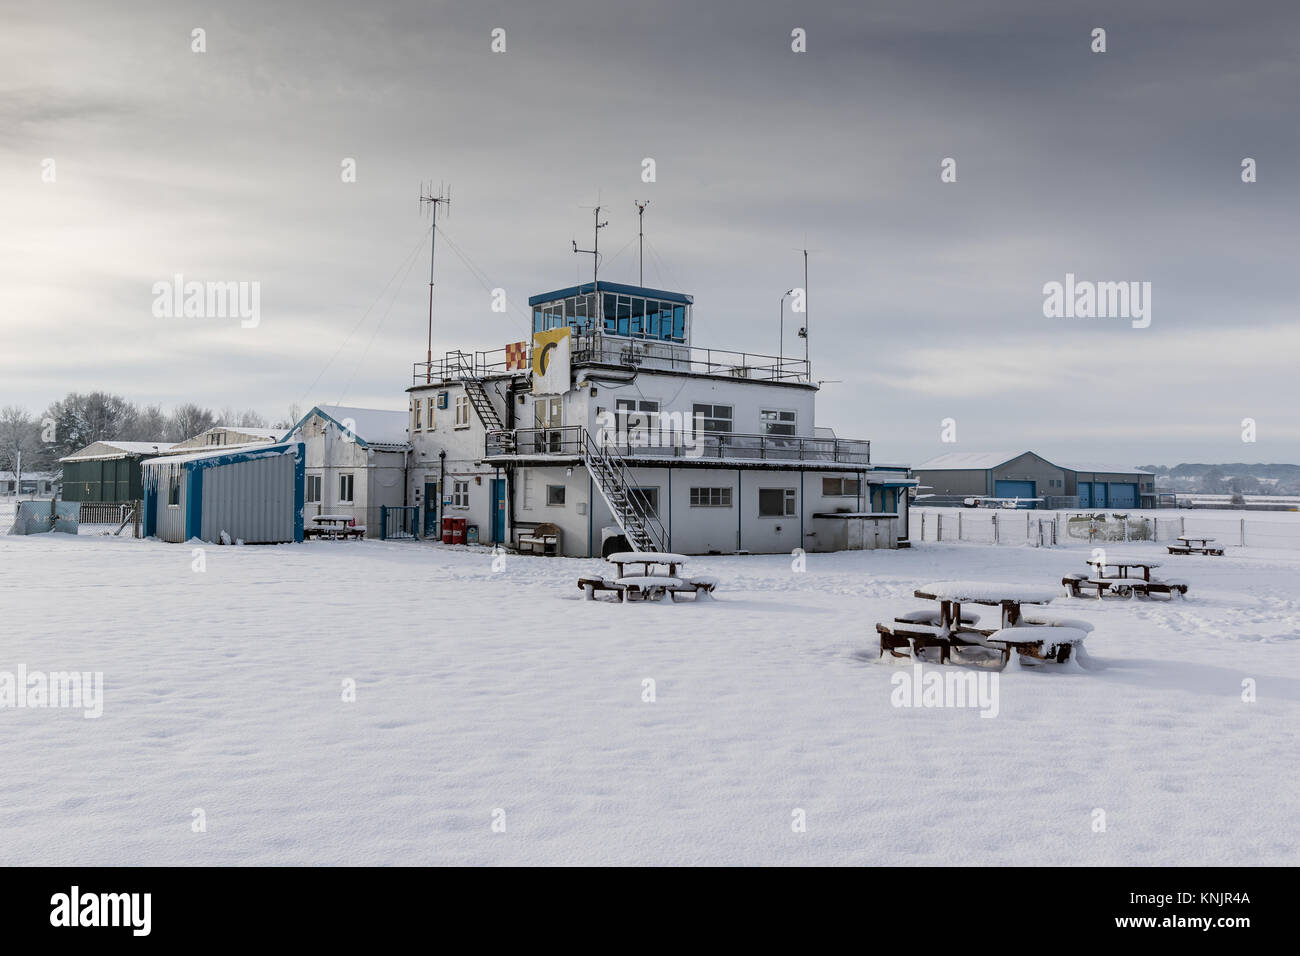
<point>612,428</point>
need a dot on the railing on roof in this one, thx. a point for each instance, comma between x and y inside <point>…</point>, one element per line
<point>652,443</point>
<point>457,365</point>
<point>601,349</point>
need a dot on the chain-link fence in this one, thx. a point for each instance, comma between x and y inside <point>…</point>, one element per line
<point>1047,528</point>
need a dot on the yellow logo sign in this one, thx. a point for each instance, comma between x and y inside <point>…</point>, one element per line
<point>544,346</point>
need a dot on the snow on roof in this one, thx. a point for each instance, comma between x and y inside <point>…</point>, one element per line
<point>272,433</point>
<point>967,461</point>
<point>1104,469</point>
<point>256,449</point>
<point>373,426</point>
<point>118,449</point>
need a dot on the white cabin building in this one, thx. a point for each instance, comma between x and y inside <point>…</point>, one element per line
<point>355,461</point>
<point>613,427</point>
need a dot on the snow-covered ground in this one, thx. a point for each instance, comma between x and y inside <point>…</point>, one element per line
<point>479,690</point>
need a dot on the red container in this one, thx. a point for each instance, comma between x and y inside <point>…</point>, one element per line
<point>447,532</point>
<point>458,526</point>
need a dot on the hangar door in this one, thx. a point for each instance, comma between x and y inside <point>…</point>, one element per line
<point>1123,495</point>
<point>1014,489</point>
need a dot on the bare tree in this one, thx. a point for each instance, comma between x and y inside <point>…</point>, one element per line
<point>20,445</point>
<point>188,420</point>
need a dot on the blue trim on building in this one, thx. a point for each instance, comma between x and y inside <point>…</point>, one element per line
<point>317,410</point>
<point>616,287</point>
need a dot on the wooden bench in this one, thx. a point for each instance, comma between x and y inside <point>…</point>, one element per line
<point>934,616</point>
<point>1072,582</point>
<point>1188,549</point>
<point>1044,642</point>
<point>592,584</point>
<point>913,636</point>
<point>1170,587</point>
<point>647,587</point>
<point>702,587</point>
<point>543,539</point>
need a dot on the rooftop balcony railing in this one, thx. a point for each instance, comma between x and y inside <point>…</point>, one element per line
<point>601,349</point>
<point>653,443</point>
<point>598,348</point>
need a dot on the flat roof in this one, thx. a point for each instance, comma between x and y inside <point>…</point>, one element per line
<point>618,287</point>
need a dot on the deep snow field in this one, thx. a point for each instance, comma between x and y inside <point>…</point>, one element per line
<point>479,690</point>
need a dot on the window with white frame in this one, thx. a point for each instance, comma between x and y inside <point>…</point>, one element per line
<point>417,414</point>
<point>555,495</point>
<point>429,420</point>
<point>460,494</point>
<point>840,487</point>
<point>462,410</point>
<point>313,488</point>
<point>713,418</point>
<point>174,491</point>
<point>710,497</point>
<point>777,502</point>
<point>345,488</point>
<point>777,421</point>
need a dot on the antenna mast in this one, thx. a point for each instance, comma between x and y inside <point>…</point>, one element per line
<point>433,202</point>
<point>594,252</point>
<point>640,237</point>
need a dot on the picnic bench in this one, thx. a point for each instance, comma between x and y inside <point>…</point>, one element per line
<point>543,540</point>
<point>1121,584</point>
<point>1194,544</point>
<point>951,627</point>
<point>648,584</point>
<point>334,527</point>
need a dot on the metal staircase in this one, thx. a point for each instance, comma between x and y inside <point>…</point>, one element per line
<point>644,531</point>
<point>476,391</point>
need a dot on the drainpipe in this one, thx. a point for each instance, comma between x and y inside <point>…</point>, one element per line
<point>442,487</point>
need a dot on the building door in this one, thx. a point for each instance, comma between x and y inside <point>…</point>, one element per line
<point>498,511</point>
<point>1085,494</point>
<point>1123,495</point>
<point>1015,489</point>
<point>548,419</point>
<point>431,509</point>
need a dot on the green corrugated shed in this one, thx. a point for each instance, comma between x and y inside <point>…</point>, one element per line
<point>107,471</point>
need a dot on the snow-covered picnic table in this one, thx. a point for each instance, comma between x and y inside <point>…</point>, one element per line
<point>1195,544</point>
<point>335,526</point>
<point>1031,634</point>
<point>649,583</point>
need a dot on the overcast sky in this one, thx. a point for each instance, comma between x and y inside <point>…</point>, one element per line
<point>925,298</point>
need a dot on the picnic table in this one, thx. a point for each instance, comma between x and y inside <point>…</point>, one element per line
<point>649,584</point>
<point>335,527</point>
<point>952,627</point>
<point>1194,544</point>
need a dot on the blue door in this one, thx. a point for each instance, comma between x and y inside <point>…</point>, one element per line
<point>430,509</point>
<point>1015,489</point>
<point>1085,494</point>
<point>499,511</point>
<point>1123,495</point>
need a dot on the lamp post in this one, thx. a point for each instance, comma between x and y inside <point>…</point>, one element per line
<point>781,354</point>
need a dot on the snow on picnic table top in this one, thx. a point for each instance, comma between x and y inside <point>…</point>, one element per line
<point>647,557</point>
<point>986,592</point>
<point>1112,563</point>
<point>1194,537</point>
